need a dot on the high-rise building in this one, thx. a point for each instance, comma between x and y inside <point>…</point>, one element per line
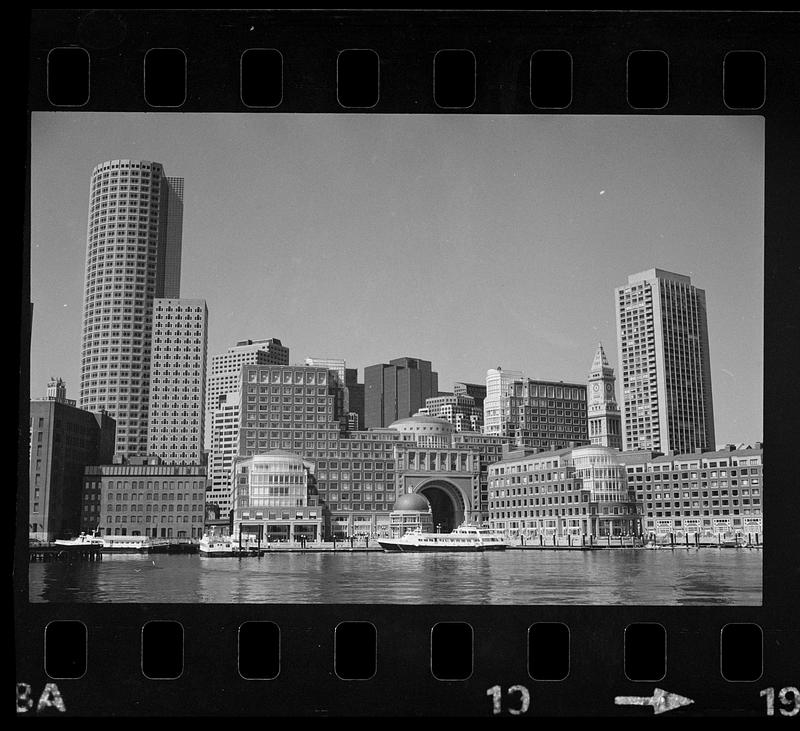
<point>177,380</point>
<point>64,440</point>
<point>224,447</point>
<point>497,383</point>
<point>397,390</point>
<point>224,372</point>
<point>605,424</point>
<point>664,363</point>
<point>460,410</point>
<point>535,413</point>
<point>476,390</point>
<point>133,255</point>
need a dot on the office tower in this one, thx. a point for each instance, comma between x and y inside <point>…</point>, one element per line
<point>535,413</point>
<point>497,383</point>
<point>64,440</point>
<point>133,255</point>
<point>397,390</point>
<point>605,423</point>
<point>476,390</point>
<point>177,380</point>
<point>224,447</point>
<point>664,363</point>
<point>460,410</point>
<point>223,372</point>
<point>355,400</point>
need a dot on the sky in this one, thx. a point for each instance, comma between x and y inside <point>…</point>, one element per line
<point>471,241</point>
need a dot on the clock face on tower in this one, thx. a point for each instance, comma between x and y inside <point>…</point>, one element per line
<point>608,387</point>
<point>596,387</point>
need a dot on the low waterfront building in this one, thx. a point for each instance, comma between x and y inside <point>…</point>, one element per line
<point>275,499</point>
<point>578,491</point>
<point>142,496</point>
<point>706,493</point>
<point>63,440</point>
<point>411,512</point>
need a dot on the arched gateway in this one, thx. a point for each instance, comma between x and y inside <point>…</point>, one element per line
<point>447,504</point>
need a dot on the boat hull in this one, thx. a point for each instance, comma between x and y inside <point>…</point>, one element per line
<point>395,547</point>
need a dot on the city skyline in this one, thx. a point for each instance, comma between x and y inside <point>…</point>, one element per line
<point>357,200</point>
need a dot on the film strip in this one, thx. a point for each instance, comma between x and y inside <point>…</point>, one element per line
<point>468,657</point>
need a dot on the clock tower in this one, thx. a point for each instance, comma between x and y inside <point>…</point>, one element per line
<point>605,423</point>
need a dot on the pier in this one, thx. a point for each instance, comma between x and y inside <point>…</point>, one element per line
<point>67,554</point>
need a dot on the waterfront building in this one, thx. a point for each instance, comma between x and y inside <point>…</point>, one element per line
<point>411,512</point>
<point>133,255</point>
<point>711,493</point>
<point>664,362</point>
<point>460,410</point>
<point>275,499</point>
<point>177,380</point>
<point>63,440</point>
<point>578,491</point>
<point>605,423</point>
<point>397,390</point>
<point>535,413</point>
<point>142,496</point>
<point>224,372</point>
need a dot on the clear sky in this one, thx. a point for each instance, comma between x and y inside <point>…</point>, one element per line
<point>471,241</point>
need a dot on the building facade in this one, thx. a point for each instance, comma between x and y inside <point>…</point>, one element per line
<point>581,491</point>
<point>534,413</point>
<point>141,496</point>
<point>605,422</point>
<point>133,256</point>
<point>63,440</point>
<point>397,390</point>
<point>224,372</point>
<point>274,498</point>
<point>476,390</point>
<point>460,410</point>
<point>664,363</point>
<point>178,380</point>
<point>224,447</point>
<point>705,493</point>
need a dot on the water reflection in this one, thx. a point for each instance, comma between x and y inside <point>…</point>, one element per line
<point>512,577</point>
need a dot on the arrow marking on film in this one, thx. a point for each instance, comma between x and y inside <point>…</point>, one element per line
<point>661,700</point>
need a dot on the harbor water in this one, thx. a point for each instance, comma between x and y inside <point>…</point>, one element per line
<point>514,577</point>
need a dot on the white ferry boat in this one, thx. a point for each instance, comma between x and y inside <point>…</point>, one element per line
<point>214,545</point>
<point>464,538</point>
<point>131,544</point>
<point>84,539</point>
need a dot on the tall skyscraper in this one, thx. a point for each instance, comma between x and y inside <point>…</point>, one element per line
<point>397,390</point>
<point>664,362</point>
<point>605,423</point>
<point>224,372</point>
<point>178,380</point>
<point>133,255</point>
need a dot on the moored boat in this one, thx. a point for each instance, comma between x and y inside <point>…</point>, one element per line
<point>83,540</point>
<point>465,538</point>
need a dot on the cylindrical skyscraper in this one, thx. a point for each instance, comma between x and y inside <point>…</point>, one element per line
<point>133,254</point>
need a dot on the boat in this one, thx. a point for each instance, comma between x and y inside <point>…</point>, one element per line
<point>464,538</point>
<point>83,540</point>
<point>132,544</point>
<point>214,545</point>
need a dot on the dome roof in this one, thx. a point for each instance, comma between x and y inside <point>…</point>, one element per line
<point>412,501</point>
<point>422,423</point>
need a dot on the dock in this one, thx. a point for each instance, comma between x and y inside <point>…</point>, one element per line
<point>67,554</point>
